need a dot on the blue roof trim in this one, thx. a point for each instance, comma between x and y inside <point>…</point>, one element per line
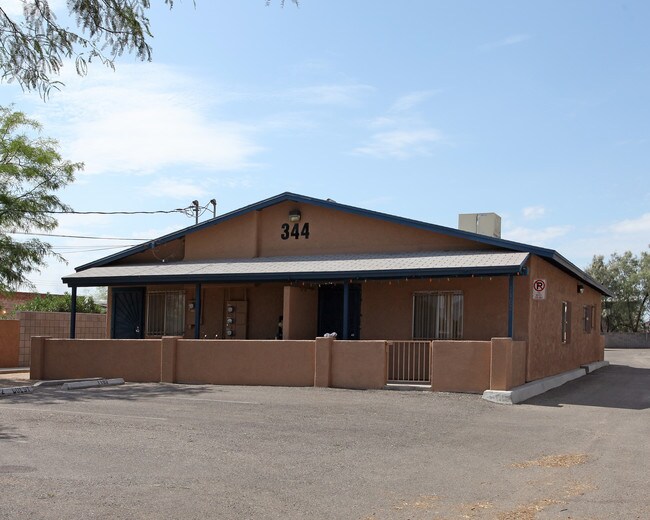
<point>548,254</point>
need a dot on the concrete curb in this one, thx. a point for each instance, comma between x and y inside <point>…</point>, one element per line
<point>90,384</point>
<point>58,382</point>
<point>16,390</point>
<point>405,387</point>
<point>534,388</point>
<point>594,366</point>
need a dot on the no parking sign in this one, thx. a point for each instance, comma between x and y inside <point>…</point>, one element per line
<point>539,289</point>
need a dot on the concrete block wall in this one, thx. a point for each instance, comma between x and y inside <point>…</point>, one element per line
<point>57,325</point>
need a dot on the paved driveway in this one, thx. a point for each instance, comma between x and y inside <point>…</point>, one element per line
<point>150,451</point>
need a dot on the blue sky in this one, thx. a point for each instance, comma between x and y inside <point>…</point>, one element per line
<point>538,111</point>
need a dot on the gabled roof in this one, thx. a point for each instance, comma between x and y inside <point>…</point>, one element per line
<point>548,254</point>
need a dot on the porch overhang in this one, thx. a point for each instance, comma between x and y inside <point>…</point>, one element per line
<point>369,266</point>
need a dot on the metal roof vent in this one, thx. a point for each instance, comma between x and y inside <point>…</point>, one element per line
<point>488,224</point>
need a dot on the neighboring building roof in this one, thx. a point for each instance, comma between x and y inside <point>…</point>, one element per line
<point>321,267</point>
<point>548,254</point>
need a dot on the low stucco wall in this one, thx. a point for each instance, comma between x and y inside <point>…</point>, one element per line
<point>233,362</point>
<point>134,360</point>
<point>358,364</point>
<point>224,362</point>
<point>9,343</point>
<point>460,366</point>
<point>627,340</point>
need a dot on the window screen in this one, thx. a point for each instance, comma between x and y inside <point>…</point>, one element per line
<point>438,315</point>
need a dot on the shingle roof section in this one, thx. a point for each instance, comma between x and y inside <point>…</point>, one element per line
<point>297,267</point>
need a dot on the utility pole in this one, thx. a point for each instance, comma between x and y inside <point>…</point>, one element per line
<point>195,203</point>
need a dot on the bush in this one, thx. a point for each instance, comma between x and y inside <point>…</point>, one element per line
<point>61,303</point>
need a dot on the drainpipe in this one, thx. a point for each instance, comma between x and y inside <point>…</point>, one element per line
<point>346,310</point>
<point>73,312</point>
<point>197,312</point>
<point>511,304</point>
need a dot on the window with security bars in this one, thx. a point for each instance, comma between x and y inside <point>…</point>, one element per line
<point>438,315</point>
<point>588,318</point>
<point>566,322</point>
<point>165,313</point>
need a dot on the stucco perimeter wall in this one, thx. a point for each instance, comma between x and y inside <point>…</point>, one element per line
<point>9,343</point>
<point>547,354</point>
<point>358,364</point>
<point>245,362</point>
<point>224,362</point>
<point>460,366</point>
<point>56,325</point>
<point>134,360</point>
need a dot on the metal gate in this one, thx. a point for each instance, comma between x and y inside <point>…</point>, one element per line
<point>409,361</point>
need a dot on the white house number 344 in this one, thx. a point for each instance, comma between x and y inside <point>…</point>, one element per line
<point>295,231</point>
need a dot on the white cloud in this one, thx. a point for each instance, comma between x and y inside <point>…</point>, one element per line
<point>411,100</point>
<point>630,226</point>
<point>180,189</point>
<point>534,212</point>
<point>538,237</point>
<point>344,95</point>
<point>513,39</point>
<point>143,118</point>
<point>401,143</point>
<point>401,133</point>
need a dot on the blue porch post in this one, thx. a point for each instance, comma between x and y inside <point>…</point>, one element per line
<point>73,312</point>
<point>511,304</point>
<point>346,310</point>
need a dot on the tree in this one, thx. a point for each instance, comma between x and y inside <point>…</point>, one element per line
<point>31,171</point>
<point>628,277</point>
<point>61,303</point>
<point>34,48</point>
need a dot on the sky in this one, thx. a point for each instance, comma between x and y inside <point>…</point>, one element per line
<point>537,111</point>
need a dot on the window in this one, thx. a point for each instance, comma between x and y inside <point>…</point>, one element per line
<point>438,315</point>
<point>588,318</point>
<point>566,322</point>
<point>165,313</point>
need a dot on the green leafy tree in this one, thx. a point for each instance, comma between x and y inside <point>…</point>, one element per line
<point>34,47</point>
<point>628,277</point>
<point>31,172</point>
<point>61,303</point>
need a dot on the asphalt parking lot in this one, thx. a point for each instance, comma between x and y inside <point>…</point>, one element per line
<point>154,451</point>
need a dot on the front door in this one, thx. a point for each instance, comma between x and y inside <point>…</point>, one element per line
<point>127,313</point>
<point>330,310</point>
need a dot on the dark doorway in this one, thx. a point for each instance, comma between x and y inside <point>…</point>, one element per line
<point>330,310</point>
<point>127,313</point>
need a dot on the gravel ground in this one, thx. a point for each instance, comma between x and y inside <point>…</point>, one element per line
<point>156,451</point>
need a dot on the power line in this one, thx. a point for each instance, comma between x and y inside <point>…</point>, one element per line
<point>77,236</point>
<point>156,212</point>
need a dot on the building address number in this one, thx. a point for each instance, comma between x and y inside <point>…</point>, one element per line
<point>295,231</point>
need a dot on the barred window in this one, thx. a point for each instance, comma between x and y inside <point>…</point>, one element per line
<point>566,322</point>
<point>588,318</point>
<point>165,313</point>
<point>438,315</point>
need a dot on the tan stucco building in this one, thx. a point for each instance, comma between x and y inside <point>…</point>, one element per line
<point>293,267</point>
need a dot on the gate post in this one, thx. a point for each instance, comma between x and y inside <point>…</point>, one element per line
<point>168,346</point>
<point>323,362</point>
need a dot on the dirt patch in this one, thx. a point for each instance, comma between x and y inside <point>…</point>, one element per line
<point>554,461</point>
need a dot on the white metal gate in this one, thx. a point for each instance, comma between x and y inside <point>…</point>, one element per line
<point>409,361</point>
